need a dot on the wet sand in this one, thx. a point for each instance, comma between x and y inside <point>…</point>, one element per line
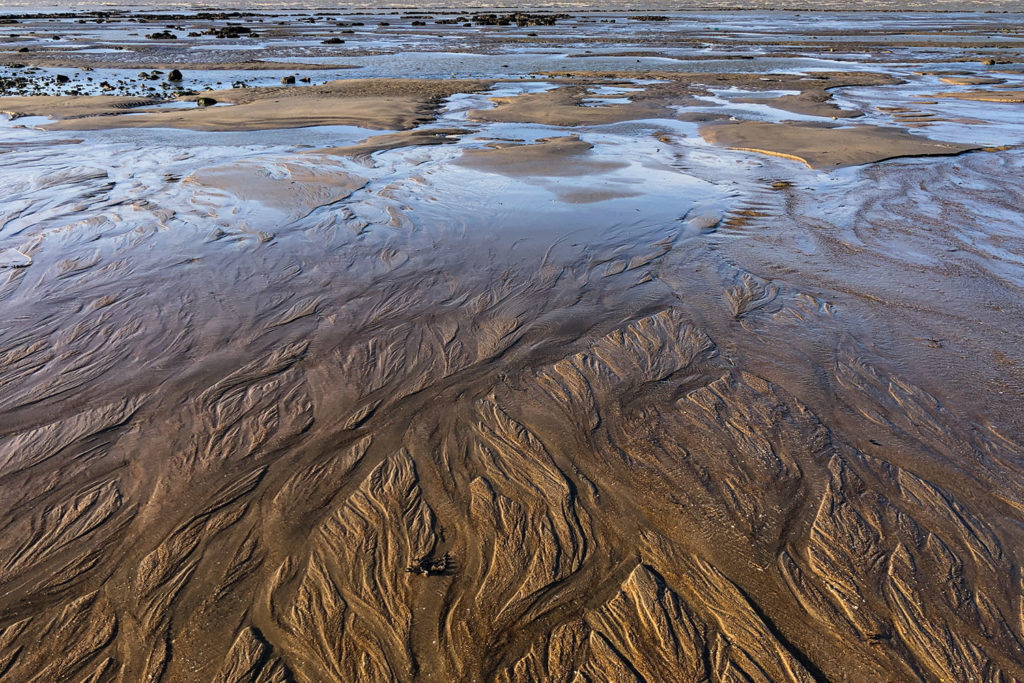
<point>510,365</point>
<point>825,146</point>
<point>376,104</point>
<point>1011,96</point>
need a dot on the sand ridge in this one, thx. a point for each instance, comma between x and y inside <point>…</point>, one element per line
<point>823,146</point>
<point>373,103</point>
<point>1006,96</point>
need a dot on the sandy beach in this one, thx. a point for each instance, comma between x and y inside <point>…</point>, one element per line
<point>563,345</point>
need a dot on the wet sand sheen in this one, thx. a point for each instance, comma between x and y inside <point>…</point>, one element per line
<point>539,384</point>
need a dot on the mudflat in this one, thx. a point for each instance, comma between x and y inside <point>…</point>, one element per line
<point>433,346</point>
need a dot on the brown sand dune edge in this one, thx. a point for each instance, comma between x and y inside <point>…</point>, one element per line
<point>1005,96</point>
<point>300,112</point>
<point>562,107</point>
<point>661,99</point>
<point>809,104</point>
<point>971,80</point>
<point>71,107</point>
<point>400,104</point>
<point>824,147</point>
<point>369,103</point>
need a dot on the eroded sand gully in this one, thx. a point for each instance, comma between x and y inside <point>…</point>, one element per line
<point>671,411</point>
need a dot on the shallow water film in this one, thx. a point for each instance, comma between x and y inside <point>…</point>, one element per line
<point>511,346</point>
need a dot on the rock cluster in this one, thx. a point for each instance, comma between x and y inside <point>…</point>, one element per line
<point>517,18</point>
<point>230,31</point>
